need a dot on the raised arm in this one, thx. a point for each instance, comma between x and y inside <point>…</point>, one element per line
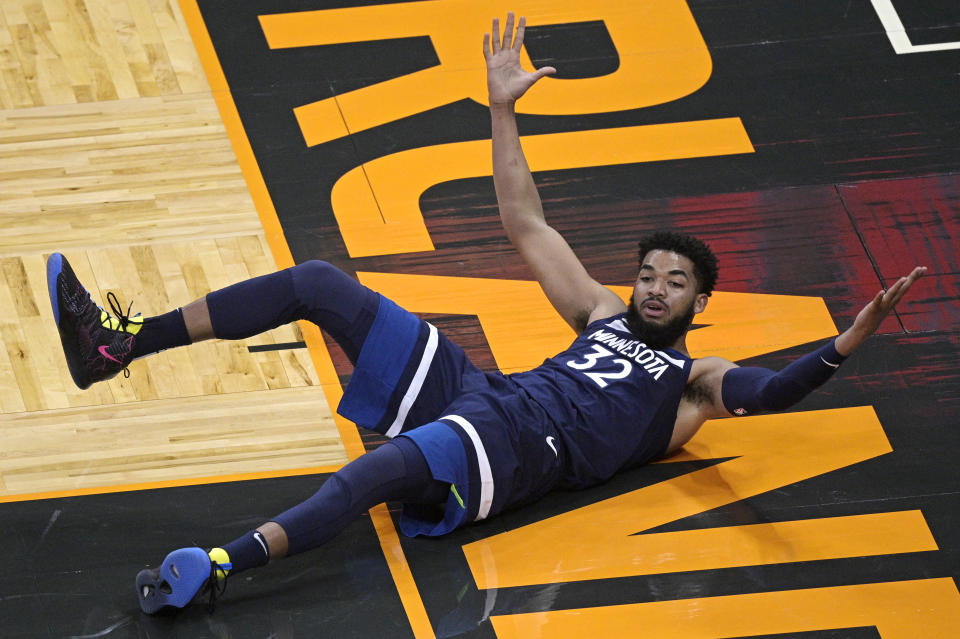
<point>740,391</point>
<point>577,297</point>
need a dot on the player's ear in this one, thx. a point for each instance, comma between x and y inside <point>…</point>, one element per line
<point>700,303</point>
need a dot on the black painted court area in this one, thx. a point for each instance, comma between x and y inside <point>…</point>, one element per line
<point>855,178</point>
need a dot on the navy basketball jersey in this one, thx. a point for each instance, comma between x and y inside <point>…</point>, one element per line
<point>613,399</point>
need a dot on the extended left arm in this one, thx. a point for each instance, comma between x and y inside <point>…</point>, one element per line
<point>749,389</point>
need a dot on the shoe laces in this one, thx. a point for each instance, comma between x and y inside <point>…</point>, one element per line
<point>217,585</point>
<point>123,318</point>
<point>115,308</point>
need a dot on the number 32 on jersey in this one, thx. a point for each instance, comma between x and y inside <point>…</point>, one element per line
<point>623,367</point>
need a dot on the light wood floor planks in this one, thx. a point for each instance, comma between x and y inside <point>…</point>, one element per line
<point>113,152</point>
<point>63,51</point>
<point>162,440</point>
<point>121,172</point>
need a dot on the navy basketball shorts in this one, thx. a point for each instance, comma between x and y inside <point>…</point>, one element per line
<point>478,431</point>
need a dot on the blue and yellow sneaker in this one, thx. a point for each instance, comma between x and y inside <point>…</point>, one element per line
<point>184,576</point>
<point>97,345</point>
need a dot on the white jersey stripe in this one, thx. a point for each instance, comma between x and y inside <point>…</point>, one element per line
<point>416,384</point>
<point>486,474</point>
<point>618,325</point>
<point>673,360</point>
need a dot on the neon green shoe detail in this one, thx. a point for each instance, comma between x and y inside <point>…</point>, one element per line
<point>220,557</point>
<point>130,325</point>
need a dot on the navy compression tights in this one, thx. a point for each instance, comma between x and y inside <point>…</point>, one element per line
<point>315,291</point>
<point>321,293</point>
<point>397,471</point>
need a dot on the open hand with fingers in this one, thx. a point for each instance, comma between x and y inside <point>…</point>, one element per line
<point>506,79</point>
<point>868,319</point>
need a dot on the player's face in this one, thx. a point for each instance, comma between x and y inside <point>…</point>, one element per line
<point>666,287</point>
<point>664,299</point>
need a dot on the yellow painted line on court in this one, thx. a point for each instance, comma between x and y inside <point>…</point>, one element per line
<point>383,524</point>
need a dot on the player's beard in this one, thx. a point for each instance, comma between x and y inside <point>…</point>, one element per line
<point>658,336</point>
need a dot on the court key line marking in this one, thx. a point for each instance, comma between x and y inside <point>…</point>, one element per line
<point>897,33</point>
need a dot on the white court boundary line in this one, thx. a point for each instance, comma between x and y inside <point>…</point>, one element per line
<point>898,35</point>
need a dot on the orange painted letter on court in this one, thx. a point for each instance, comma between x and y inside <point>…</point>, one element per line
<point>661,54</point>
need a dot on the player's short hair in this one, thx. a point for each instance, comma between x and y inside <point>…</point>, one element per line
<point>705,267</point>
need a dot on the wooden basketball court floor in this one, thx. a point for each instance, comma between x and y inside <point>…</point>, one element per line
<point>170,149</point>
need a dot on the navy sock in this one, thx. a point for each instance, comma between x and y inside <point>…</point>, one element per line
<point>315,291</point>
<point>161,332</point>
<point>248,551</point>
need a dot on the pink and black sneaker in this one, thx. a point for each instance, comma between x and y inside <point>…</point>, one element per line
<point>97,345</point>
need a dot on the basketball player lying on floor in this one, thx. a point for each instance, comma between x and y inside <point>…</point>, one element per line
<point>465,444</point>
